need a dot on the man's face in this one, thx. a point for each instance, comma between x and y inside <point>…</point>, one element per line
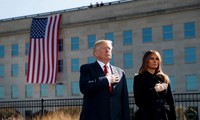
<point>104,52</point>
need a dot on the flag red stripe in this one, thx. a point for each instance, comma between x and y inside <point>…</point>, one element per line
<point>53,49</point>
<point>48,49</point>
<point>33,64</point>
<point>39,62</point>
<point>56,45</point>
<point>43,61</point>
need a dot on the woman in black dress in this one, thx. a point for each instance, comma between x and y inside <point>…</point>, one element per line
<point>152,90</point>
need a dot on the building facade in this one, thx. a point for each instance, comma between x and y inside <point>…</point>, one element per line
<point>170,27</point>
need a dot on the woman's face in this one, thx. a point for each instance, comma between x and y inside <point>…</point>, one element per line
<point>153,61</point>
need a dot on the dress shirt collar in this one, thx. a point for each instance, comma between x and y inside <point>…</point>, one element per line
<point>102,65</point>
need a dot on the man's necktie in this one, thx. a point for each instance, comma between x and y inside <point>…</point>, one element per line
<point>105,72</point>
<point>105,69</point>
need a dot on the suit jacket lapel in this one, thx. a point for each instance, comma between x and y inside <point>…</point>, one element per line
<point>97,69</point>
<point>114,71</point>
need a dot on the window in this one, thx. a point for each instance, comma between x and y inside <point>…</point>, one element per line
<point>60,45</point>
<point>75,88</point>
<point>14,50</point>
<point>172,82</point>
<point>28,91</point>
<point>127,37</point>
<point>167,32</point>
<point>130,85</point>
<point>27,48</point>
<point>191,82</point>
<point>91,41</point>
<point>189,30</point>
<point>14,70</point>
<point>59,90</point>
<point>60,65</point>
<point>43,90</point>
<point>14,91</point>
<point>74,43</point>
<point>91,59</point>
<point>190,55</point>
<point>2,92</point>
<point>147,35</point>
<point>2,51</point>
<point>168,57</point>
<point>75,65</point>
<point>128,60</point>
<point>2,71</point>
<point>110,36</point>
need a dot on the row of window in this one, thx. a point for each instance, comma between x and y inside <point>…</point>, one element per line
<point>60,90</point>
<point>167,34</point>
<point>128,60</point>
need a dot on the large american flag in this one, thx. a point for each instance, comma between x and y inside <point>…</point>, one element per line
<point>43,50</point>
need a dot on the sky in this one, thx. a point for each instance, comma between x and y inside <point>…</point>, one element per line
<point>18,8</point>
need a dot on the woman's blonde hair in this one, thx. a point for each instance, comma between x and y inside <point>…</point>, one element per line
<point>158,71</point>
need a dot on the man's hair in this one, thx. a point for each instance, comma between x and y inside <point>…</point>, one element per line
<point>97,43</point>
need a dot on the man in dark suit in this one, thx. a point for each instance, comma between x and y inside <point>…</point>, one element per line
<point>104,88</point>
